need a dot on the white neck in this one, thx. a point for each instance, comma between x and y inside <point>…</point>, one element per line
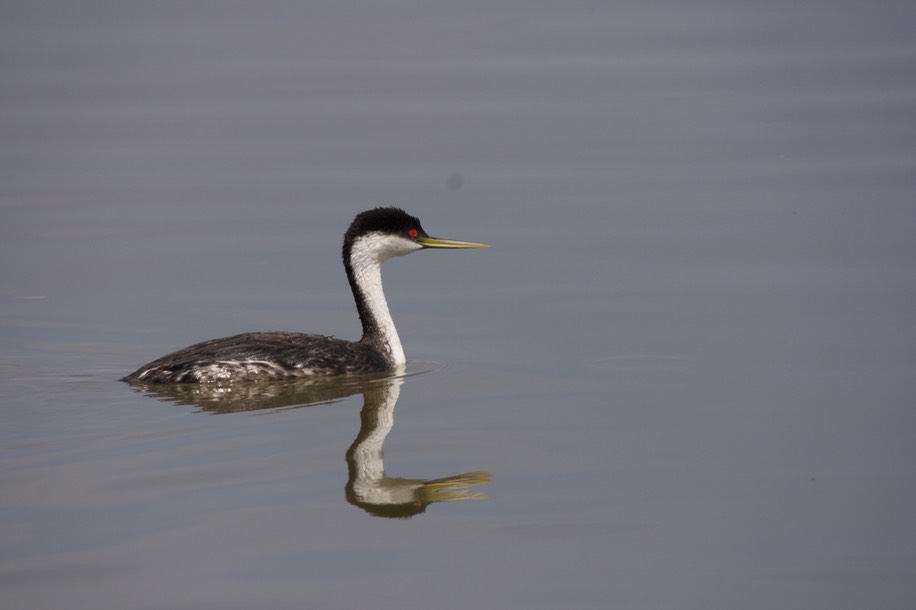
<point>366,257</point>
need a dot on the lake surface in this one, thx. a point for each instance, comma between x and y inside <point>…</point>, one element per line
<point>683,376</point>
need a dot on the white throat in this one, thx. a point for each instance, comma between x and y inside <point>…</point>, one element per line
<point>366,257</point>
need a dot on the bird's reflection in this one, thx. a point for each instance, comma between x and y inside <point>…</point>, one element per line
<point>368,487</point>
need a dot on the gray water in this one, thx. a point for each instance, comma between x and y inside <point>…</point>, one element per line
<point>683,376</point>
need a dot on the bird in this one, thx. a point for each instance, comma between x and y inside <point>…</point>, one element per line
<point>372,238</point>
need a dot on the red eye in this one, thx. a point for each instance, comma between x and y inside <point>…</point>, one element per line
<point>412,232</point>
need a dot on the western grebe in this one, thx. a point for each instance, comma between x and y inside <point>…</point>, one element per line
<point>373,237</point>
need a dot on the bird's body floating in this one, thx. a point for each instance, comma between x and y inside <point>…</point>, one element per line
<point>373,237</point>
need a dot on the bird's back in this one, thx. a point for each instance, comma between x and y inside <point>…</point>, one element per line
<point>261,356</point>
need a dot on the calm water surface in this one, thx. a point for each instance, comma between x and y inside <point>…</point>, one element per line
<point>682,377</point>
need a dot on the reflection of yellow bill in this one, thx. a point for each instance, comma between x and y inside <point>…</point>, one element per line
<point>454,488</point>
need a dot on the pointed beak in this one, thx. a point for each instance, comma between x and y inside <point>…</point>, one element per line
<point>435,242</point>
